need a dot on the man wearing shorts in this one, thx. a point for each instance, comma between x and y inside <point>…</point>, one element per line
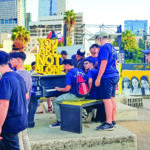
<point>107,80</point>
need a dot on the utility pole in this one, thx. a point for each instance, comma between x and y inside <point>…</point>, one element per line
<point>65,34</point>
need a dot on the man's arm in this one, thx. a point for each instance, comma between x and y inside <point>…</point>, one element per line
<point>27,96</point>
<point>90,81</point>
<point>101,72</point>
<point>4,104</point>
<point>66,89</point>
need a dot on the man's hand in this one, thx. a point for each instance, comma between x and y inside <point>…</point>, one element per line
<point>4,104</point>
<point>27,96</point>
<point>58,89</point>
<point>97,82</point>
<point>0,133</point>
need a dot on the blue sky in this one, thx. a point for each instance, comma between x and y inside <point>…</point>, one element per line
<point>104,11</point>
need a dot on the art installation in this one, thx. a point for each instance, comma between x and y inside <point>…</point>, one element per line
<point>47,60</point>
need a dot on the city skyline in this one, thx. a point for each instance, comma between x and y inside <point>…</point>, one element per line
<point>104,12</point>
<point>47,10</point>
<point>12,13</point>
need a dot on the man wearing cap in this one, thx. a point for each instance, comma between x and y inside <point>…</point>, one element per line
<point>13,105</point>
<point>94,50</point>
<point>71,87</point>
<point>78,59</point>
<point>107,80</point>
<point>147,52</point>
<point>17,61</point>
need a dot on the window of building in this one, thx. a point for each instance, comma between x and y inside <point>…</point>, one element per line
<point>6,21</point>
<point>15,20</point>
<point>1,21</point>
<point>10,21</point>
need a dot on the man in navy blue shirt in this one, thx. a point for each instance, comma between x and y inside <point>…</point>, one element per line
<point>13,105</point>
<point>70,87</point>
<point>107,79</point>
<point>17,61</point>
<point>94,50</point>
<point>91,77</point>
<point>78,59</point>
<point>93,90</point>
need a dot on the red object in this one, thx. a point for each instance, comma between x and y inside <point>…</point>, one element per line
<point>49,36</point>
<point>82,87</point>
<point>61,40</point>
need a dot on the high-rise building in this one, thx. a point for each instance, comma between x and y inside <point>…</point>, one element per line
<point>51,7</point>
<point>28,20</point>
<point>12,13</point>
<point>42,28</point>
<point>138,27</point>
<point>61,7</point>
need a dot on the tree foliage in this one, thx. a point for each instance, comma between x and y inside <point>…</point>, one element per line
<point>69,43</point>
<point>128,40</point>
<point>114,43</point>
<point>70,21</point>
<point>132,51</point>
<point>20,33</point>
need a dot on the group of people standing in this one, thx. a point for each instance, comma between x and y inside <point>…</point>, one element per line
<point>102,78</point>
<point>15,89</point>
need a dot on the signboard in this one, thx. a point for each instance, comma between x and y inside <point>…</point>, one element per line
<point>47,60</point>
<point>135,67</point>
<point>136,82</point>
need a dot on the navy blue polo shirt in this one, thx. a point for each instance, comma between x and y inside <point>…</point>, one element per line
<point>13,88</point>
<point>93,75</point>
<point>71,79</point>
<point>108,52</point>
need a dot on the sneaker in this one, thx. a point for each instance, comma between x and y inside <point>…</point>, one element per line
<point>55,125</point>
<point>114,123</point>
<point>84,114</point>
<point>89,117</point>
<point>105,126</point>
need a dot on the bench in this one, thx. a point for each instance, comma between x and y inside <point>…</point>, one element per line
<point>71,114</point>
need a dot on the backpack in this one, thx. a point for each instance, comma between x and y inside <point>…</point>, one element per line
<point>82,87</point>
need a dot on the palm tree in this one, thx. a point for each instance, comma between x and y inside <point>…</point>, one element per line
<point>70,20</point>
<point>20,33</point>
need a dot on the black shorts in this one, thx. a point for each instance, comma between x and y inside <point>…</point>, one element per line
<point>107,87</point>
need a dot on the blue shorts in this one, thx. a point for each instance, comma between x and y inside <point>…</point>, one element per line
<point>107,87</point>
<point>9,142</point>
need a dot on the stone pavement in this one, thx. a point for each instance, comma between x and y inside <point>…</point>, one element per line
<point>141,127</point>
<point>44,138</point>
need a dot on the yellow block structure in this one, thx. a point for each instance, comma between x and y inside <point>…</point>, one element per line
<point>47,60</point>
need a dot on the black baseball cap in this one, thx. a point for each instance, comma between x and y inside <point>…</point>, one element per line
<point>80,52</point>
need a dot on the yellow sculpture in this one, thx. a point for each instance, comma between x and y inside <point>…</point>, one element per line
<point>47,60</point>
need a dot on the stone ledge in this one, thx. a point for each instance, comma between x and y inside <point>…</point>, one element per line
<point>125,112</point>
<point>44,138</point>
